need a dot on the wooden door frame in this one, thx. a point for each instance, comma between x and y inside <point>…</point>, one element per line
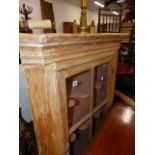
<point>43,4</point>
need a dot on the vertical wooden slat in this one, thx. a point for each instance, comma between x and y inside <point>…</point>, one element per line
<point>113,24</point>
<point>91,107</point>
<point>99,14</point>
<point>117,24</point>
<point>110,23</point>
<point>62,91</point>
<point>120,20</point>
<point>103,23</point>
<point>112,78</point>
<point>106,24</point>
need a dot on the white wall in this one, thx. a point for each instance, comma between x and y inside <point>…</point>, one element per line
<point>36,13</point>
<point>23,98</point>
<point>63,11</point>
<point>67,11</point>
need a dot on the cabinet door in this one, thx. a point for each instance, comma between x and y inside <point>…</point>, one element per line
<point>88,89</point>
<point>78,96</point>
<point>101,83</point>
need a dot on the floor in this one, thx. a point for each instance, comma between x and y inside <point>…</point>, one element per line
<point>117,134</point>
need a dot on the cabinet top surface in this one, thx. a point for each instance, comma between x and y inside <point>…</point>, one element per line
<point>60,38</point>
<point>54,48</point>
<point>72,35</point>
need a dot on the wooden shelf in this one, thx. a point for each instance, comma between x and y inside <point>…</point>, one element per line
<point>79,94</point>
<point>128,42</point>
<point>124,68</point>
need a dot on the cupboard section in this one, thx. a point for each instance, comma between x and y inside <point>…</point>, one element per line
<point>70,79</point>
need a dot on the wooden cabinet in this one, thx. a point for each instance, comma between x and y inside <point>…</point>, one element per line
<point>128,28</point>
<point>68,27</point>
<point>71,81</point>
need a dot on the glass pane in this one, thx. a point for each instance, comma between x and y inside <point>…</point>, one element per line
<point>80,140</point>
<point>99,118</point>
<point>78,90</point>
<point>101,83</point>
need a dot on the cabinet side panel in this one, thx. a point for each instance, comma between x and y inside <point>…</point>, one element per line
<point>40,109</point>
<point>42,87</point>
<point>112,78</point>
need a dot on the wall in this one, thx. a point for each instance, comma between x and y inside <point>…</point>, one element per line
<point>36,13</point>
<point>67,11</point>
<point>63,11</point>
<point>23,97</point>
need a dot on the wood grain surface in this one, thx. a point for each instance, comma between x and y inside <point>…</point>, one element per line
<point>48,61</point>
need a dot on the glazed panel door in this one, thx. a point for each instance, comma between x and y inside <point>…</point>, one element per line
<point>86,90</point>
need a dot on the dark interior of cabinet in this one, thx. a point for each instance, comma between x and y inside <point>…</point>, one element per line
<point>81,140</point>
<point>78,97</point>
<point>27,139</point>
<point>126,84</point>
<point>79,103</point>
<point>101,83</point>
<point>125,79</point>
<point>99,118</point>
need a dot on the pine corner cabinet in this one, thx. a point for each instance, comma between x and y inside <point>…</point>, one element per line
<point>70,80</point>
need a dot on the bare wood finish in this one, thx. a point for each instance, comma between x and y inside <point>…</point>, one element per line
<point>48,60</point>
<point>128,28</point>
<point>47,112</point>
<point>125,98</point>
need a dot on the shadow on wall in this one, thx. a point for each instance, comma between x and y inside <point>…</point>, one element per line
<point>23,98</point>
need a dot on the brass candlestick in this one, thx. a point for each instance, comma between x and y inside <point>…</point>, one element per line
<point>75,27</point>
<point>92,27</point>
<point>83,28</point>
